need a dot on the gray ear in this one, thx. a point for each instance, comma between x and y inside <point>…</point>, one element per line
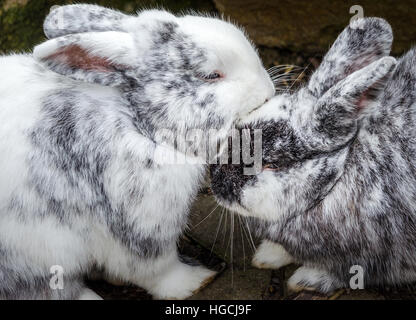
<point>336,112</point>
<point>361,43</point>
<point>81,18</point>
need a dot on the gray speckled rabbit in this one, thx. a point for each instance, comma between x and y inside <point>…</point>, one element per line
<point>79,183</point>
<point>338,187</point>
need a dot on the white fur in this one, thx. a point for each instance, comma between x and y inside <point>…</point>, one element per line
<point>37,243</point>
<point>88,294</point>
<point>270,255</point>
<point>309,279</point>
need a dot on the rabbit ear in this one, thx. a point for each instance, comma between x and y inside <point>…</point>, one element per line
<point>100,57</point>
<point>361,43</point>
<point>80,18</point>
<point>337,110</point>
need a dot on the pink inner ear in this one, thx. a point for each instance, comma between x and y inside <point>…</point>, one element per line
<point>76,57</point>
<point>362,62</point>
<point>362,102</point>
<point>366,97</point>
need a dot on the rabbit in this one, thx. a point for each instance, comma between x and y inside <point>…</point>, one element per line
<point>81,186</point>
<point>337,190</point>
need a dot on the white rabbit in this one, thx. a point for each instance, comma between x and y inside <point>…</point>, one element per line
<point>79,184</point>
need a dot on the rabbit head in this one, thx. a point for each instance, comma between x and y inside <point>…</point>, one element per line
<point>306,135</point>
<point>175,72</point>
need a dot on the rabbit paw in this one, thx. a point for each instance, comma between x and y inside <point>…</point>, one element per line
<point>271,255</point>
<point>115,281</point>
<point>310,279</point>
<point>88,294</point>
<point>182,281</point>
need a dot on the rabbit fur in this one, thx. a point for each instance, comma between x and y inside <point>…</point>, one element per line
<point>338,188</point>
<point>80,185</point>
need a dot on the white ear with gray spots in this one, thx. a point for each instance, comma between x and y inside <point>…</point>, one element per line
<point>95,57</point>
<point>361,43</point>
<point>80,18</point>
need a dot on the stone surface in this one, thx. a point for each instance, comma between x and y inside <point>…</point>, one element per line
<point>311,26</point>
<point>237,284</point>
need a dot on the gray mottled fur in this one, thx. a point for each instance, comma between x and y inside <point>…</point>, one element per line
<point>79,18</point>
<point>343,153</point>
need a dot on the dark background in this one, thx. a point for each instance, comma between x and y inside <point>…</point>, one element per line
<point>286,32</point>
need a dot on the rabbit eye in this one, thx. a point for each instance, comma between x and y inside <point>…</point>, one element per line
<point>214,76</point>
<point>270,167</point>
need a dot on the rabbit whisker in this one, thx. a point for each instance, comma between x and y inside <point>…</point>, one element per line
<point>205,217</point>
<point>218,230</point>
<point>304,70</point>
<point>242,242</point>
<point>232,248</point>
<point>282,66</point>
<point>225,227</point>
<point>249,232</point>
<point>245,232</point>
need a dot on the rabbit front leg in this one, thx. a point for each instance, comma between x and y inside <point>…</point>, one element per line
<point>271,255</point>
<point>88,294</point>
<point>176,279</point>
<point>164,276</point>
<point>313,279</point>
